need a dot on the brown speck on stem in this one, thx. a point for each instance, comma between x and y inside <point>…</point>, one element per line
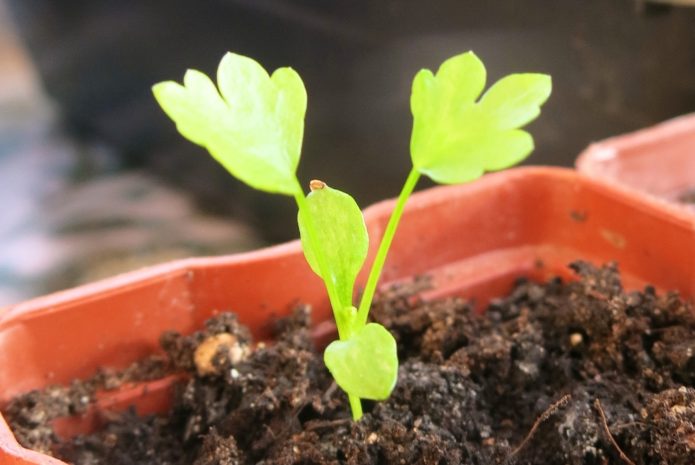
<point>316,184</point>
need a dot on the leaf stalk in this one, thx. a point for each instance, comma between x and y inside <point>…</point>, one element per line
<point>382,252</point>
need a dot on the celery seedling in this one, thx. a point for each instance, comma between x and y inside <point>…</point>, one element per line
<point>253,124</point>
<point>457,138</point>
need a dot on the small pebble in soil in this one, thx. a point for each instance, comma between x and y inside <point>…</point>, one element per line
<point>223,346</point>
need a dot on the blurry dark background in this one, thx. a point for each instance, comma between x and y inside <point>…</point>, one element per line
<point>617,65</point>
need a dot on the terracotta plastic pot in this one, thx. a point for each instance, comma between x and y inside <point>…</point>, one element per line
<point>474,240</point>
<point>657,163</point>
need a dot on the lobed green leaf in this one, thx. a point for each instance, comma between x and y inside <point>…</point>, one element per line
<point>253,124</point>
<point>455,138</point>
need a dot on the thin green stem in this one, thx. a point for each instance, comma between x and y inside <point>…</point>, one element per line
<point>382,252</point>
<point>355,406</point>
<point>338,312</point>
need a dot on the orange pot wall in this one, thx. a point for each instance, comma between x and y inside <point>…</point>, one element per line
<point>657,161</point>
<point>474,240</point>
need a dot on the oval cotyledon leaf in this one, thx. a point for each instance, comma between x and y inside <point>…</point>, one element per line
<point>366,364</point>
<point>340,233</point>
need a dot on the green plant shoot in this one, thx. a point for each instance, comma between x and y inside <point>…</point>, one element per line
<point>457,137</point>
<point>253,124</point>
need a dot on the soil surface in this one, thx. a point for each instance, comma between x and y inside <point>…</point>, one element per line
<point>555,373</point>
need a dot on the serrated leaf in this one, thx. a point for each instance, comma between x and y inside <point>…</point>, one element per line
<point>456,139</point>
<point>253,124</point>
<point>366,365</point>
<point>340,233</point>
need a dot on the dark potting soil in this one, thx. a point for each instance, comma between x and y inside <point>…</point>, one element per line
<point>556,373</point>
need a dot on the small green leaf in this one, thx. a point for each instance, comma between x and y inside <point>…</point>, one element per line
<point>253,125</point>
<point>341,235</point>
<point>366,365</point>
<point>456,139</point>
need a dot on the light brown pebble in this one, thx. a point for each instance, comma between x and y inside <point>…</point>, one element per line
<point>205,353</point>
<point>576,339</point>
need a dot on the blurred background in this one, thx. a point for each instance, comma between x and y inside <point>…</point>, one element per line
<point>94,179</point>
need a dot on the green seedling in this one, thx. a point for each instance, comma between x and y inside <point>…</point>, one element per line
<point>253,124</point>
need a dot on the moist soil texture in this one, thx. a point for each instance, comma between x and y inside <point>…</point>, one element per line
<point>576,372</point>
